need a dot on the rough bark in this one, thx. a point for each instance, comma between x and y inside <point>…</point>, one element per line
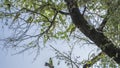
<point>97,37</point>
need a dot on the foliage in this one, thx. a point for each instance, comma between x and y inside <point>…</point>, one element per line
<point>36,20</point>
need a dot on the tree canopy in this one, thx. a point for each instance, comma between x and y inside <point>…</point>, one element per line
<point>35,22</point>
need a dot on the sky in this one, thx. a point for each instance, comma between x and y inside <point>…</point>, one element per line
<point>24,60</point>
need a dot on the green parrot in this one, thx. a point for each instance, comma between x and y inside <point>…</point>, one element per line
<point>50,64</point>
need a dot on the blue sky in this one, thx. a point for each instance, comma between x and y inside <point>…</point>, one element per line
<point>24,60</point>
<point>7,60</point>
<point>18,61</point>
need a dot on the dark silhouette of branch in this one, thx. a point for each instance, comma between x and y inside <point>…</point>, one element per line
<point>97,37</point>
<point>108,14</point>
<point>65,13</point>
<point>84,10</point>
<point>32,11</point>
<point>102,25</point>
<point>61,12</point>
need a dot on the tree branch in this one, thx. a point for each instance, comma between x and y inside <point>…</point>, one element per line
<point>67,57</point>
<point>61,12</point>
<point>102,25</point>
<point>110,9</point>
<point>84,10</point>
<point>94,60</point>
<point>97,37</point>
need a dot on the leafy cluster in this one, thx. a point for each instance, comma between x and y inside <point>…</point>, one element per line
<point>36,22</point>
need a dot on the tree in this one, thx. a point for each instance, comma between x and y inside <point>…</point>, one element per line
<point>97,20</point>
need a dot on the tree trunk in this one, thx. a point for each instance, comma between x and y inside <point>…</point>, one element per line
<point>97,37</point>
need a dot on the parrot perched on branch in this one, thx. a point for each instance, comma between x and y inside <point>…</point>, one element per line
<point>50,64</point>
